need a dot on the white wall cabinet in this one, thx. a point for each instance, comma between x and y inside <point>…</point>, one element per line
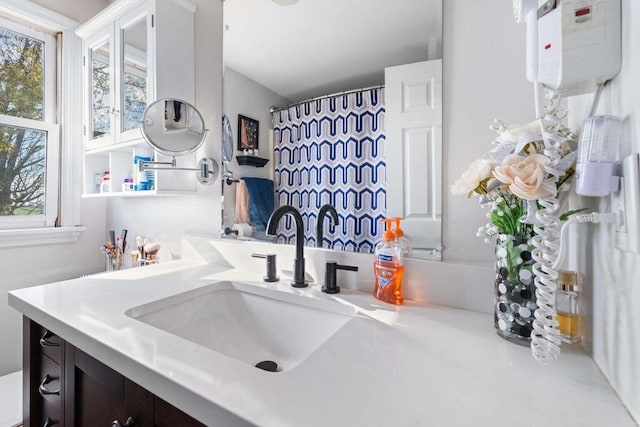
<point>134,52</point>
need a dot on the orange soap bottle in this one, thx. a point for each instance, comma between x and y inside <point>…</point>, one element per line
<point>388,268</point>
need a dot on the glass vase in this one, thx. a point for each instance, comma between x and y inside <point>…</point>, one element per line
<point>113,262</point>
<point>515,292</point>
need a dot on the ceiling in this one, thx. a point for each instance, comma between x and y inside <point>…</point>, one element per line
<point>317,47</point>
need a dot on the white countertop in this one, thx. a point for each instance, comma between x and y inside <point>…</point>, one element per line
<point>414,365</point>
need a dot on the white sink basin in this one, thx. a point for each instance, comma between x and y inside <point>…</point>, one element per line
<point>248,323</point>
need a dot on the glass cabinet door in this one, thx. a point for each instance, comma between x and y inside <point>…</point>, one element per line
<point>118,87</point>
<point>100,87</point>
<point>133,73</point>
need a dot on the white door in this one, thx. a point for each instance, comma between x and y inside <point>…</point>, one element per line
<point>413,149</point>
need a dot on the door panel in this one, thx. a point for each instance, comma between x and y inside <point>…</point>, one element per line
<point>413,123</point>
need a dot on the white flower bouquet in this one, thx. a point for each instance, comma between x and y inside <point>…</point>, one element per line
<point>509,178</point>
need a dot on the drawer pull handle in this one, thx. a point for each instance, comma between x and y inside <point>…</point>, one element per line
<point>44,390</point>
<point>48,422</point>
<point>45,343</point>
<point>129,423</point>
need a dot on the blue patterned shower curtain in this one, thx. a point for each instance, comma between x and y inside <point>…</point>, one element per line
<point>331,150</point>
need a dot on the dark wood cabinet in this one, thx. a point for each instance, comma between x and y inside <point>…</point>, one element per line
<point>96,395</point>
<point>64,386</point>
<point>166,415</point>
<point>43,377</point>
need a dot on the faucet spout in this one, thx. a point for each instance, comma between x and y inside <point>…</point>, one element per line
<point>298,262</point>
<point>324,210</point>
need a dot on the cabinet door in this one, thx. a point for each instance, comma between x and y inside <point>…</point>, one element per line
<point>116,80</point>
<point>96,395</point>
<point>99,89</point>
<point>132,77</point>
<point>166,415</point>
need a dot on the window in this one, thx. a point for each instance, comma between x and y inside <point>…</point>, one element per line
<point>46,126</point>
<point>29,129</point>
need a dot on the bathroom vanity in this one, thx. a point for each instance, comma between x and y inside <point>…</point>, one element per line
<point>176,344</point>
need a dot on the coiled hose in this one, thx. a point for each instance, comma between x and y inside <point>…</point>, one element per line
<point>545,338</point>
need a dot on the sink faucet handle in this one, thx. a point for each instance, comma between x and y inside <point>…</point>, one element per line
<point>332,267</point>
<point>272,275</point>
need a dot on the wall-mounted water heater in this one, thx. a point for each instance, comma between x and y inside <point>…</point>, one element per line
<point>572,45</point>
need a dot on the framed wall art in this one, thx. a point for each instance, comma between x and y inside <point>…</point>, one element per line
<point>247,133</point>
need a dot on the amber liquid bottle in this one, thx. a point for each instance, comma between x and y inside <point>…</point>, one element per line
<point>388,269</point>
<point>567,306</point>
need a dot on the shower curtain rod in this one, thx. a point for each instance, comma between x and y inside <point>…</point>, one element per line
<point>274,109</point>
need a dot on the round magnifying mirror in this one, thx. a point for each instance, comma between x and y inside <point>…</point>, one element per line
<point>173,127</point>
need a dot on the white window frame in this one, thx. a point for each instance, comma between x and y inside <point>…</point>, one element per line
<point>48,124</point>
<point>68,124</point>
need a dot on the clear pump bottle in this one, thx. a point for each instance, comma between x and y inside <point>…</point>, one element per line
<point>403,241</point>
<point>567,305</point>
<point>388,268</point>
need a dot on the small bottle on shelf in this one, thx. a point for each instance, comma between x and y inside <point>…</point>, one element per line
<point>567,306</point>
<point>127,184</point>
<point>97,181</point>
<point>105,185</point>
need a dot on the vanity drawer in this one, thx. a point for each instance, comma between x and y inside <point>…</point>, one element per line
<point>49,343</point>
<point>48,390</point>
<point>51,416</point>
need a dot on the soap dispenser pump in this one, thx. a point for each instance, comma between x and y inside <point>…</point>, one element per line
<point>403,241</point>
<point>388,268</point>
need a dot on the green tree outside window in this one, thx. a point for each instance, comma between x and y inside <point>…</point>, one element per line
<point>22,150</point>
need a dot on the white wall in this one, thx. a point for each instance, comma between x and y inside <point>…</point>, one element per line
<point>483,79</point>
<point>79,11</point>
<point>242,95</point>
<point>33,265</point>
<point>611,291</point>
<point>165,219</point>
<point>22,267</point>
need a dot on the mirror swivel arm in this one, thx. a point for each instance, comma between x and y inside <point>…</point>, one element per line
<point>206,171</point>
<point>147,164</point>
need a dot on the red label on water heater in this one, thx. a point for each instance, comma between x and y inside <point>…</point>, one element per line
<point>584,11</point>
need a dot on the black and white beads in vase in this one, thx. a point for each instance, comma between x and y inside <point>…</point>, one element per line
<point>515,292</point>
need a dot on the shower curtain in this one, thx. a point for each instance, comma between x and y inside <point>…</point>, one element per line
<point>330,150</point>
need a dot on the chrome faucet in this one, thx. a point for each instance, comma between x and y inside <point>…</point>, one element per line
<point>298,262</point>
<point>320,225</point>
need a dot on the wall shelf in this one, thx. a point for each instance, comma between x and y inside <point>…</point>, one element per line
<point>133,194</point>
<point>258,162</point>
<point>122,146</point>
